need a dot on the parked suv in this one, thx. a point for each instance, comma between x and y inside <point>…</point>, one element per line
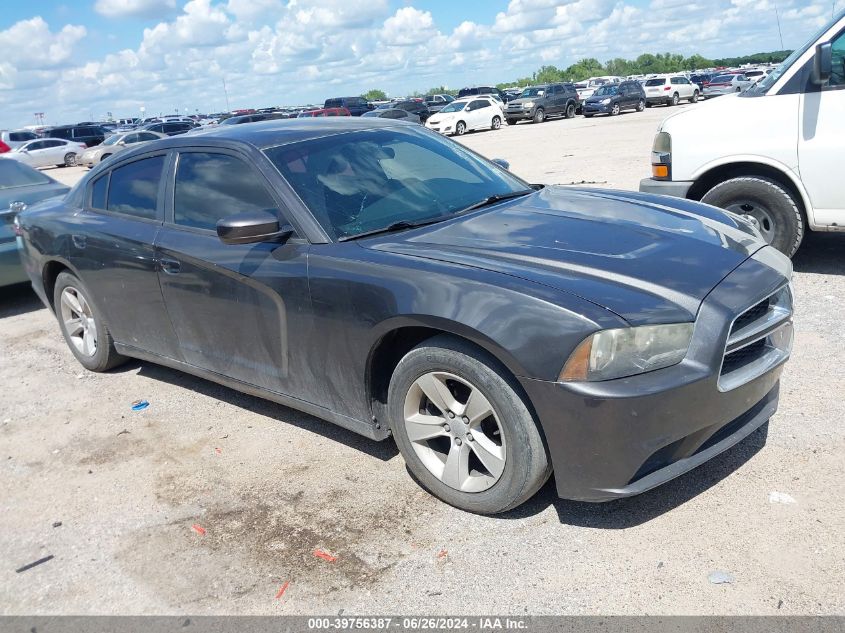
<point>356,105</point>
<point>89,135</point>
<point>777,155</point>
<point>670,90</point>
<point>536,103</point>
<point>482,90</point>
<point>436,103</point>
<point>613,98</point>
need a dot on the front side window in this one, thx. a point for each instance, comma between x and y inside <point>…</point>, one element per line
<point>134,188</point>
<point>367,180</point>
<point>837,75</point>
<point>213,186</point>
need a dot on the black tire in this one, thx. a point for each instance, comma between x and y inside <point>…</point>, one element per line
<point>641,106</point>
<point>615,110</point>
<point>104,157</point>
<point>70,159</point>
<point>105,357</point>
<point>675,100</point>
<point>496,123</point>
<point>588,116</point>
<point>539,116</point>
<point>694,98</point>
<point>527,466</point>
<point>570,111</point>
<point>512,121</point>
<point>460,128</point>
<point>762,197</point>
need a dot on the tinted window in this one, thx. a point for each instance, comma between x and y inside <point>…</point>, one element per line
<point>145,136</point>
<point>15,174</point>
<point>213,186</point>
<point>48,144</point>
<point>134,187</point>
<point>333,103</point>
<point>478,104</point>
<point>98,192</point>
<point>63,133</point>
<point>19,137</point>
<point>655,82</point>
<point>34,146</point>
<point>837,73</point>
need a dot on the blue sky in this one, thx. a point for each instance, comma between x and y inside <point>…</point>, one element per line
<point>81,59</point>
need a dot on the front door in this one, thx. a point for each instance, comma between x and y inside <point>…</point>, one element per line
<point>821,151</point>
<point>235,308</point>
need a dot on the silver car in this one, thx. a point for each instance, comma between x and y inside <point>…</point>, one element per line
<point>114,144</point>
<point>727,84</point>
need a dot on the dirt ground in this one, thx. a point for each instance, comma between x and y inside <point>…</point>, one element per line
<point>208,501</point>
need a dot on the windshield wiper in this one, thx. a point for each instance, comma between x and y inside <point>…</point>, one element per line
<point>401,225</point>
<point>499,197</point>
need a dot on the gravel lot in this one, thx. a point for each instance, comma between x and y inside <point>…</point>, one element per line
<point>269,485</point>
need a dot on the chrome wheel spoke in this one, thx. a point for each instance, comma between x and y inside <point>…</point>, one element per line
<point>437,392</point>
<point>71,301</point>
<point>491,455</point>
<point>456,468</point>
<point>74,326</point>
<point>89,343</point>
<point>477,408</point>
<point>78,320</point>
<point>424,427</point>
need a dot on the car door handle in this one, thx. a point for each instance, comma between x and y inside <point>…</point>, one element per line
<point>171,266</point>
<point>79,241</point>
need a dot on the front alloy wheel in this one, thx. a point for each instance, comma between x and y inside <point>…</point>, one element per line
<point>454,431</point>
<point>615,109</point>
<point>539,115</point>
<point>460,128</point>
<point>497,123</point>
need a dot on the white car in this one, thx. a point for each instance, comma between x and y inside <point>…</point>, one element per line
<point>670,90</point>
<point>47,152</point>
<point>772,154</point>
<point>466,114</point>
<point>726,84</point>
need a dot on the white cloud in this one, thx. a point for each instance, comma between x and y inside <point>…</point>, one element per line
<point>298,51</point>
<point>125,8</point>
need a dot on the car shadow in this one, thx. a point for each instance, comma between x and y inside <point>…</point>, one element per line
<point>634,511</point>
<point>821,253</point>
<point>383,451</point>
<point>18,299</point>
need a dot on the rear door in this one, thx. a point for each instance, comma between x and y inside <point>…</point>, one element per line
<point>111,245</point>
<point>234,307</point>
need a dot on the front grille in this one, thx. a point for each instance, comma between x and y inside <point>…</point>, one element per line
<point>760,339</point>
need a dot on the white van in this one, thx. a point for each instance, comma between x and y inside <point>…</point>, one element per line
<point>775,153</point>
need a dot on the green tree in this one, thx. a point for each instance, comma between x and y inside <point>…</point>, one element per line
<point>375,95</point>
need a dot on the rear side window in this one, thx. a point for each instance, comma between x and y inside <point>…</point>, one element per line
<point>333,103</point>
<point>20,137</point>
<point>212,186</point>
<point>134,188</point>
<point>655,82</point>
<point>98,192</point>
<point>63,133</point>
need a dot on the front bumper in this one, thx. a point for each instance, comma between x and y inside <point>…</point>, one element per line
<point>519,114</point>
<point>595,108</point>
<point>674,188</point>
<point>622,437</point>
<point>86,160</point>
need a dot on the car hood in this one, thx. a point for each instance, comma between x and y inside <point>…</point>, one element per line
<point>639,256</point>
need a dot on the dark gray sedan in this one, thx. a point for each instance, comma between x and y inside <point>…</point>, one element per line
<point>386,279</point>
<point>20,185</point>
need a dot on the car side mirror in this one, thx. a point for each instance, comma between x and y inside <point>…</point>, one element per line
<point>822,63</point>
<point>501,162</point>
<point>121,142</point>
<point>252,228</point>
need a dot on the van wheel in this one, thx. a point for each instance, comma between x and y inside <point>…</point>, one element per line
<point>539,116</point>
<point>774,208</point>
<point>694,98</point>
<point>570,111</point>
<point>463,429</point>
<point>82,325</point>
<point>497,123</point>
<point>460,128</point>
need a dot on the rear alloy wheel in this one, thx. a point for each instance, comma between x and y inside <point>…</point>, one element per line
<point>464,431</point>
<point>539,115</point>
<point>70,159</point>
<point>694,98</point>
<point>640,106</point>
<point>675,100</point>
<point>615,110</point>
<point>460,128</point>
<point>497,123</point>
<point>777,214</point>
<point>82,326</point>
<point>570,111</point>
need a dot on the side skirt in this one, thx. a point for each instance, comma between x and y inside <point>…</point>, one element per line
<point>366,429</point>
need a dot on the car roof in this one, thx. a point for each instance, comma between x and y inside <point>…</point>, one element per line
<point>263,134</point>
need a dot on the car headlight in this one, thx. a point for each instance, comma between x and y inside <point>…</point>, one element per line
<point>622,352</point>
<point>605,101</point>
<point>528,104</point>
